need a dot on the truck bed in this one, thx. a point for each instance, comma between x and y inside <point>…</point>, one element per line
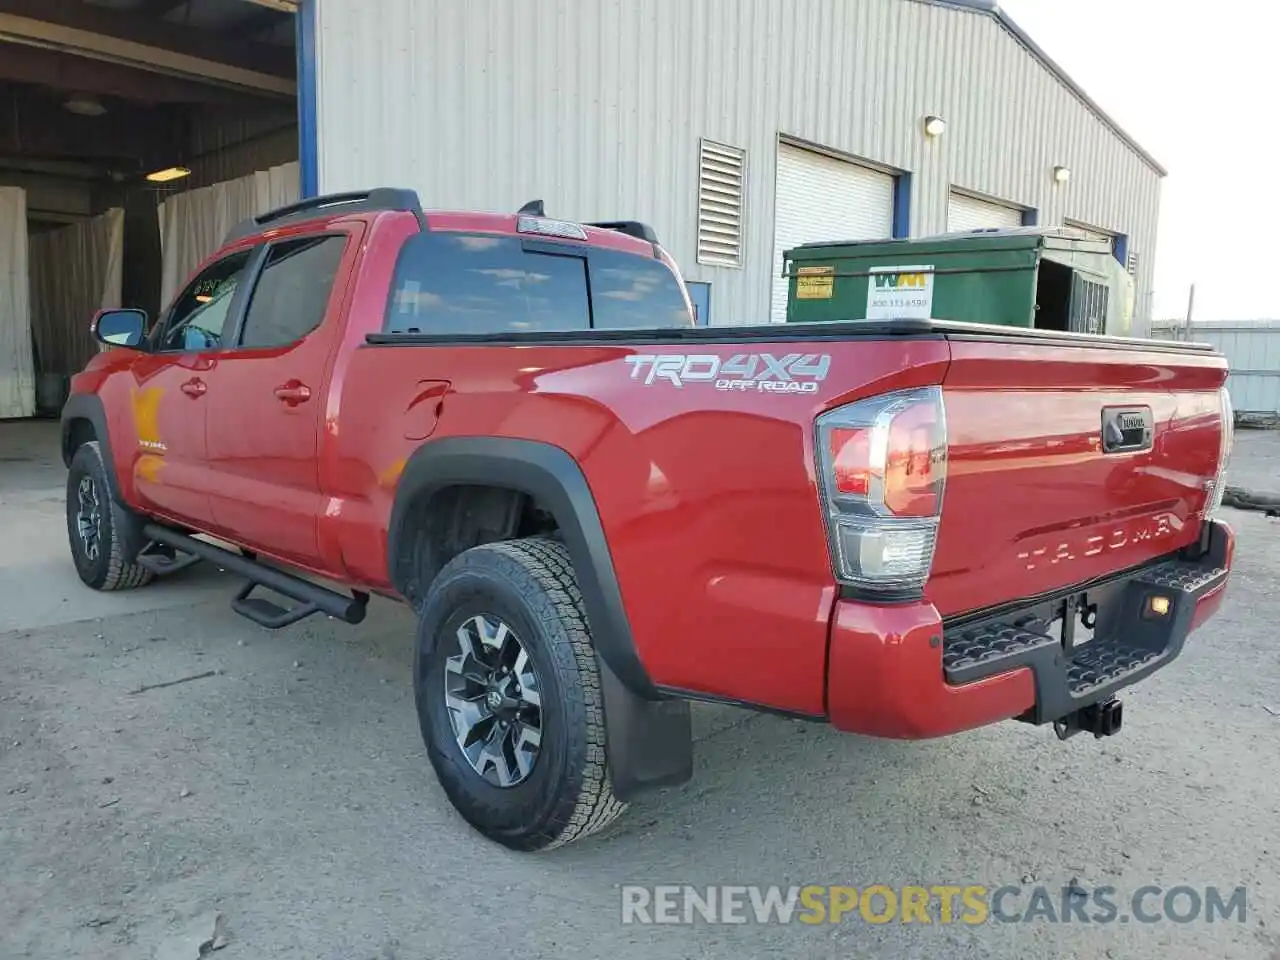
<point>709,498</point>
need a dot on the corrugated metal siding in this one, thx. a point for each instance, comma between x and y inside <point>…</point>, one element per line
<point>1253,355</point>
<point>598,108</point>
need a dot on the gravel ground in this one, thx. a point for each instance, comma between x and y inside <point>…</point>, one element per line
<point>289,791</point>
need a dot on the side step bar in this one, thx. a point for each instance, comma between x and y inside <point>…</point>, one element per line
<point>311,598</point>
<point>163,560</point>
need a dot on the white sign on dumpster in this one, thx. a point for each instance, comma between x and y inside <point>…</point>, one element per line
<point>900,293</point>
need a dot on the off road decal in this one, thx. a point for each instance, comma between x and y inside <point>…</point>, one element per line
<point>762,372</point>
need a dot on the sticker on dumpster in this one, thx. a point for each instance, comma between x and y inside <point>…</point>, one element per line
<point>900,293</point>
<point>814,283</point>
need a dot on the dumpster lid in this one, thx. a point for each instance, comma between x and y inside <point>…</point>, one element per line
<point>992,238</point>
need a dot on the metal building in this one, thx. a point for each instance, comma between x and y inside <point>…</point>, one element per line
<point>738,128</point>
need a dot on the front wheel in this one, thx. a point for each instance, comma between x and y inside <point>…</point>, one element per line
<point>508,696</point>
<point>97,525</point>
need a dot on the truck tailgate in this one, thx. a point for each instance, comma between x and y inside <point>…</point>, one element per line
<point>1050,481</point>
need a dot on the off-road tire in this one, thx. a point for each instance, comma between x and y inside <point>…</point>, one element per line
<point>109,569</point>
<point>529,584</point>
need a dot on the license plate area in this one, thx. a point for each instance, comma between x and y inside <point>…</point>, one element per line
<point>1074,622</point>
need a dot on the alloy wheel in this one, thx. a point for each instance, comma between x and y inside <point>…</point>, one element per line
<point>89,517</point>
<point>494,699</point>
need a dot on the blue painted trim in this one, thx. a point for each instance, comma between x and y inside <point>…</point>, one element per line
<point>308,144</point>
<point>1120,248</point>
<point>1031,218</point>
<point>902,206</point>
<point>700,294</point>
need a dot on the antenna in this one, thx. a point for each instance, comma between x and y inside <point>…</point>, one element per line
<point>533,208</point>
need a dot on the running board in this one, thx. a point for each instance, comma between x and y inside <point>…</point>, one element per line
<point>164,564</point>
<point>311,597</point>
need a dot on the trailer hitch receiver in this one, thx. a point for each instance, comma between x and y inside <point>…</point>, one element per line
<point>1101,719</point>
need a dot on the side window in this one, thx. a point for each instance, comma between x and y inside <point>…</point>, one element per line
<point>291,294</point>
<point>630,292</point>
<point>476,283</point>
<point>198,316</point>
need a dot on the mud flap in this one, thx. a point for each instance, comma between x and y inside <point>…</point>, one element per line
<point>649,742</point>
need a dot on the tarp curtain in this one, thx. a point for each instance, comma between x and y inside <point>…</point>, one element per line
<point>17,373</point>
<point>75,271</point>
<point>194,224</point>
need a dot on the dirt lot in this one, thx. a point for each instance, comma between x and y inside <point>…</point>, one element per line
<point>289,791</point>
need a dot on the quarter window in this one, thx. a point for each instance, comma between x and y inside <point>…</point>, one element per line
<point>630,292</point>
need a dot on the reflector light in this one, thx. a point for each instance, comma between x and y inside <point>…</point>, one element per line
<point>851,459</point>
<point>913,483</point>
<point>882,464</point>
<point>1224,453</point>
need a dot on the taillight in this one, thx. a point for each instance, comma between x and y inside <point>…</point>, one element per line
<point>1224,451</point>
<point>882,465</point>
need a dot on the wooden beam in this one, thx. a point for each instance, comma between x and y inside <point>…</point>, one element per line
<point>27,31</point>
<point>49,68</point>
<point>159,9</point>
<point>172,37</point>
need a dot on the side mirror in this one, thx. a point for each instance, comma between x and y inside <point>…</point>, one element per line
<point>120,328</point>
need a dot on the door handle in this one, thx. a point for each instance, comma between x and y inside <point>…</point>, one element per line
<point>293,393</point>
<point>195,387</point>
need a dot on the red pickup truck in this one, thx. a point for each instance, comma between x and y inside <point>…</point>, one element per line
<point>601,511</point>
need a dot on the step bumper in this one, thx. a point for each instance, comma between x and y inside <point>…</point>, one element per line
<point>899,671</point>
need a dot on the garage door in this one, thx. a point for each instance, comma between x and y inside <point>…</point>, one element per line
<point>965,212</point>
<point>821,198</point>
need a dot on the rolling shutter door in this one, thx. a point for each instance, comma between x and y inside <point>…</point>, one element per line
<point>822,198</point>
<point>971,213</point>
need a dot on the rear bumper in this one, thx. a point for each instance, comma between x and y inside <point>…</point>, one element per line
<point>898,671</point>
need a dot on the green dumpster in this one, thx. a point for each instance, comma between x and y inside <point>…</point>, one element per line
<point>1053,279</point>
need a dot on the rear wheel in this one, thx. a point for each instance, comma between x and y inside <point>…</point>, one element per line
<point>508,695</point>
<point>98,527</point>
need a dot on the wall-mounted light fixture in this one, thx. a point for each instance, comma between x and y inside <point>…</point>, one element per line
<point>934,126</point>
<point>169,173</point>
<point>1061,174</point>
<point>84,105</point>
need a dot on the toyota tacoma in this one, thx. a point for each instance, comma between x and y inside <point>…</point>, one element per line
<point>601,511</point>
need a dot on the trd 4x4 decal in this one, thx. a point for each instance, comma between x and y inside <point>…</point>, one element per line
<point>791,373</point>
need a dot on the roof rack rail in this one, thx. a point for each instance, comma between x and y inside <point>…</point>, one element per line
<point>632,228</point>
<point>358,201</point>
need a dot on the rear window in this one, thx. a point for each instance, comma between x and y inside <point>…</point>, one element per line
<point>629,291</point>
<point>458,283</point>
